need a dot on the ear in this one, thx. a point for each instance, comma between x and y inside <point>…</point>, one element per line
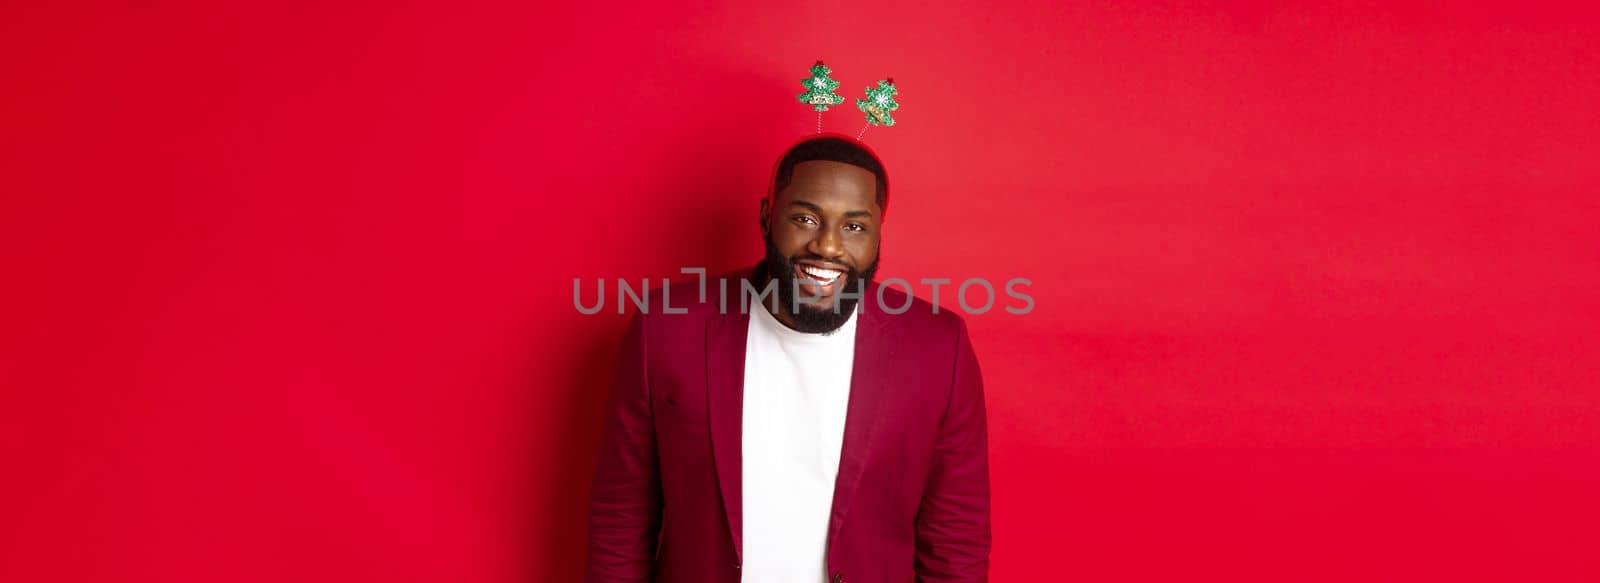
<point>765,213</point>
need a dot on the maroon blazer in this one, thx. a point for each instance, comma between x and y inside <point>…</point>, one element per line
<point>912,498</point>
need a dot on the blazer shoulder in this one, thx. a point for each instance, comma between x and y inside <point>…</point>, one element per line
<point>921,318</point>
<point>686,304</point>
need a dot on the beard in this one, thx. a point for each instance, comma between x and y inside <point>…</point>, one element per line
<point>807,315</point>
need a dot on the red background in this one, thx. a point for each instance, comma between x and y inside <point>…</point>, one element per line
<point>288,295</point>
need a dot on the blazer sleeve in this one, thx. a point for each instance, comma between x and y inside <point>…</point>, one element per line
<point>625,499</point>
<point>952,531</point>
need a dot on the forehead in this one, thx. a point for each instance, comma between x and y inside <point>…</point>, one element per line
<point>827,181</point>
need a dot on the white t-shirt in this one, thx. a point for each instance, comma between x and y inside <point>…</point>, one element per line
<point>796,393</point>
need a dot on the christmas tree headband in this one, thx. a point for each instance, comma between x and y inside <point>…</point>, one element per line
<point>878,106</point>
<point>819,94</point>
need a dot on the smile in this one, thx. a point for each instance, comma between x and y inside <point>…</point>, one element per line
<point>823,276</point>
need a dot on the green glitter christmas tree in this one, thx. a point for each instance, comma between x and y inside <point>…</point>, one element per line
<point>879,103</point>
<point>819,89</point>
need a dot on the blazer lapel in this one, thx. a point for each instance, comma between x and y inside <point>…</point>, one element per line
<point>725,340</point>
<point>869,384</point>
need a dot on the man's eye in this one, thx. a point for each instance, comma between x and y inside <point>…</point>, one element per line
<point>805,220</point>
<point>856,227</point>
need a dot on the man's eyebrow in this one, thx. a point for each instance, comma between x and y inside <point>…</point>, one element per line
<point>817,209</point>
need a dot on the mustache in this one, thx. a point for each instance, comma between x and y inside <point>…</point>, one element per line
<point>776,265</point>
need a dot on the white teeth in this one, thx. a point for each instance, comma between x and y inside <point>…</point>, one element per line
<point>824,276</point>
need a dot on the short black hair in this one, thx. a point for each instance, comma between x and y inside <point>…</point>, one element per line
<point>835,150</point>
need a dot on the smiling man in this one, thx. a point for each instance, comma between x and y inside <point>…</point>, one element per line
<point>815,438</point>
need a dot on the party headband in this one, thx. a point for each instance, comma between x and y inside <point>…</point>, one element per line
<point>878,105</point>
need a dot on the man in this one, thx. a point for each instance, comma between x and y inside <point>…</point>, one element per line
<point>822,435</point>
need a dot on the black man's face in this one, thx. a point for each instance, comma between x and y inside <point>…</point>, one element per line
<point>822,230</point>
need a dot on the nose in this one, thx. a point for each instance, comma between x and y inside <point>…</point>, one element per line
<point>826,244</point>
